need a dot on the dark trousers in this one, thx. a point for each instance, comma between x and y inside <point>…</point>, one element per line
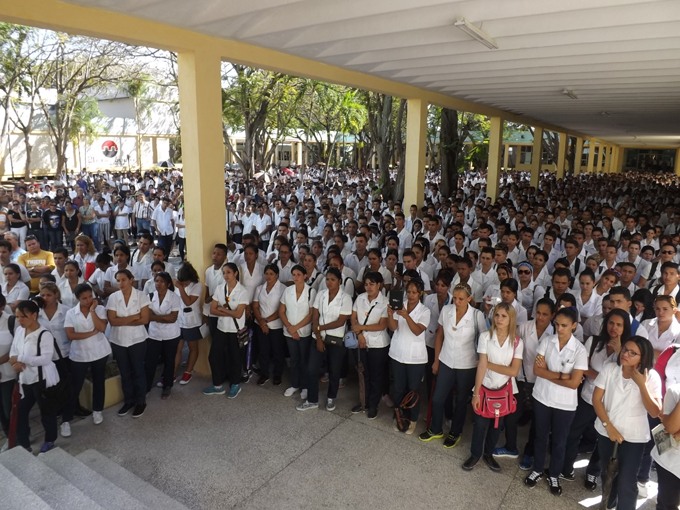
<point>32,396</point>
<point>407,378</point>
<point>583,420</point>
<point>524,393</point>
<point>56,239</point>
<point>558,422</point>
<point>78,373</point>
<point>484,436</point>
<point>628,458</point>
<point>166,242</point>
<point>668,497</point>
<point>131,366</point>
<point>447,378</point>
<point>182,246</point>
<point>646,464</point>
<point>225,358</point>
<point>336,355</point>
<point>299,360</point>
<point>430,381</point>
<point>271,351</point>
<point>165,351</point>
<point>375,365</point>
<point>6,390</point>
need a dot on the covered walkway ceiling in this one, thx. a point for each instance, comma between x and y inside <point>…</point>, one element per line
<point>619,58</point>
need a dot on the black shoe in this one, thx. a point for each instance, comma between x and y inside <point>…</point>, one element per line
<point>139,410</point>
<point>166,393</point>
<point>357,409</point>
<point>125,409</point>
<point>81,411</point>
<point>372,413</point>
<point>491,462</point>
<point>613,504</point>
<point>533,478</point>
<point>451,441</point>
<point>470,463</point>
<point>277,380</point>
<point>555,487</point>
<point>262,380</point>
<point>570,477</point>
<point>590,482</point>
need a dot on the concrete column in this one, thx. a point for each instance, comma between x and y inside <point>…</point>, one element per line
<point>495,148</point>
<point>506,156</point>
<point>677,161</point>
<point>536,156</point>
<point>577,156</point>
<point>337,155</point>
<point>602,157</point>
<point>416,149</point>
<point>562,155</point>
<point>154,149</point>
<point>200,101</point>
<point>300,149</point>
<point>591,156</point>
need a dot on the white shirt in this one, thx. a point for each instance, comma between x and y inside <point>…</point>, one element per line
<point>596,362</point>
<point>164,220</point>
<point>165,330</point>
<point>122,222</point>
<point>92,348</point>
<point>238,295</point>
<point>68,298</point>
<point>668,337</point>
<point>25,347</point>
<point>83,261</point>
<point>573,356</point>
<point>378,310</point>
<point>56,327</point>
<point>529,335</point>
<point>670,460</point>
<point>110,275</point>
<point>20,292</point>
<point>191,318</point>
<point>330,311</point>
<point>459,349</point>
<point>623,403</point>
<point>213,278</point>
<point>7,373</point>
<point>591,307</point>
<point>432,302</point>
<point>406,347</point>
<point>500,355</point>
<point>269,302</point>
<point>261,223</point>
<point>251,281</point>
<point>127,336</point>
<point>298,309</point>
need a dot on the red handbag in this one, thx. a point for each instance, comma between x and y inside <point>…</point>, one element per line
<point>498,403</point>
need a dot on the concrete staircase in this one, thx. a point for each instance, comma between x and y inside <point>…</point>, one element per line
<point>89,481</point>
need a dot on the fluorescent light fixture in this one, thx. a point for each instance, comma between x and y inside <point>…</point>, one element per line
<point>570,93</point>
<point>476,33</point>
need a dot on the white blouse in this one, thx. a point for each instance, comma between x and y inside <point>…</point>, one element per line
<point>127,336</point>
<point>362,306</point>
<point>591,307</point>
<point>529,335</point>
<point>668,337</point>
<point>670,460</point>
<point>213,279</point>
<point>7,373</point>
<point>432,302</point>
<point>237,296</point>
<point>56,327</point>
<point>83,261</point>
<point>165,330</point>
<point>596,362</point>
<point>25,347</point>
<point>269,302</point>
<point>94,347</point>
<point>500,355</point>
<point>68,298</point>
<point>190,315</point>
<point>406,347</point>
<point>459,350</point>
<point>330,311</point>
<point>251,281</point>
<point>20,292</point>
<point>298,309</point>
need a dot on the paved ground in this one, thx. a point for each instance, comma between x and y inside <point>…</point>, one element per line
<point>258,452</point>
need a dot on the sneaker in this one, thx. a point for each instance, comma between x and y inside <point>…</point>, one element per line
<point>470,464</point>
<point>139,410</point>
<point>160,383</point>
<point>533,479</point>
<point>428,435</point>
<point>504,452</point>
<point>491,462</point>
<point>527,462</point>
<point>125,409</point>
<point>372,413</point>
<point>262,380</point>
<point>65,429</point>
<point>303,395</point>
<point>186,377</point>
<point>555,487</point>
<point>290,392</point>
<point>306,406</point>
<point>330,404</point>
<point>411,428</point>
<point>166,393</point>
<point>569,477</point>
<point>46,447</point>
<point>451,441</point>
<point>234,391</point>
<point>590,482</point>
<point>343,383</point>
<point>358,409</point>
<point>388,401</point>
<point>642,490</point>
<point>277,380</point>
<point>97,417</point>
<point>324,378</point>
<point>214,390</point>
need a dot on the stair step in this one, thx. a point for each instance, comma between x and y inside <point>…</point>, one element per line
<point>15,494</point>
<point>91,483</point>
<point>52,488</point>
<point>129,482</point>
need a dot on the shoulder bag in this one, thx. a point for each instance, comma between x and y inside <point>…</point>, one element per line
<point>57,396</point>
<point>242,335</point>
<point>351,339</point>
<point>495,404</point>
<point>333,341</point>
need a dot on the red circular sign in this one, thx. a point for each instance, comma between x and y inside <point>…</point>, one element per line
<point>110,149</point>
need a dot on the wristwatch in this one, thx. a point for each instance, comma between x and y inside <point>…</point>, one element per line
<point>605,423</point>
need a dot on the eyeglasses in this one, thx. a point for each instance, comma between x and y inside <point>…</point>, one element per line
<point>523,272</point>
<point>629,352</point>
<point>668,252</point>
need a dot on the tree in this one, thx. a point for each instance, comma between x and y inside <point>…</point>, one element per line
<point>84,121</point>
<point>137,89</point>
<point>449,149</point>
<point>380,112</point>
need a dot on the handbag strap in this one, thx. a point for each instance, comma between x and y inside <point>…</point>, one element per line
<point>40,372</point>
<point>369,313</point>
<point>226,299</point>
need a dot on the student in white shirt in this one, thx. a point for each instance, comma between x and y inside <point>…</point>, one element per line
<point>7,374</point>
<point>295,311</point>
<point>128,313</point>
<point>664,330</point>
<point>560,363</point>
<point>164,333</point>
<point>268,325</point>
<point>500,359</point>
<point>214,278</point>
<point>14,290</point>
<point>251,271</point>
<point>668,463</point>
<point>72,278</point>
<point>85,325</point>
<point>189,289</point>
<point>229,305</point>
<point>314,277</point>
<point>593,300</point>
<point>85,253</point>
<point>369,323</point>
<point>436,302</point>
<point>408,351</point>
<point>332,308</point>
<point>121,259</point>
<point>31,357</point>
<point>624,394</point>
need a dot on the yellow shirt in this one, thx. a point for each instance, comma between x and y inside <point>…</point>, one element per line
<point>29,261</point>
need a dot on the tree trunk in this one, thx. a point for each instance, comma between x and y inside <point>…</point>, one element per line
<point>448,152</point>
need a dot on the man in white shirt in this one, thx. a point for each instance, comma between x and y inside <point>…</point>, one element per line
<point>263,224</point>
<point>163,220</point>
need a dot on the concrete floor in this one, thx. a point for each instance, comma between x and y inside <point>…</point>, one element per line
<point>258,452</point>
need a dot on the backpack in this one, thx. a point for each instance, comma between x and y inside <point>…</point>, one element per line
<point>662,362</point>
<point>11,323</point>
<point>657,289</point>
<point>652,272</point>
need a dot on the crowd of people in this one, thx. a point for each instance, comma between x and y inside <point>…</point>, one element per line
<point>552,308</point>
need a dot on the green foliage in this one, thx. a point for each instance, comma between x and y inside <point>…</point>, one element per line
<point>86,113</point>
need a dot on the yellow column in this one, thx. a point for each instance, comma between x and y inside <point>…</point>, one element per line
<point>506,156</point>
<point>292,153</point>
<point>536,156</point>
<point>591,156</point>
<point>562,155</point>
<point>495,148</point>
<point>416,148</point>
<point>200,101</point>
<point>603,156</point>
<point>577,156</point>
<point>611,166</point>
<point>677,162</point>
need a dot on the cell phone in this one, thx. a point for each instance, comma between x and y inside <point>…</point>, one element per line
<point>397,299</point>
<point>400,268</point>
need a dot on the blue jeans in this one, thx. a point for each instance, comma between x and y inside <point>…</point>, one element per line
<point>628,459</point>
<point>132,376</point>
<point>90,231</point>
<point>407,378</point>
<point>557,421</point>
<point>143,225</point>
<point>56,239</point>
<point>447,378</point>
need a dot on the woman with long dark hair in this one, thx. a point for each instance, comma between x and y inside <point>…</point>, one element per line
<point>642,308</point>
<point>189,289</point>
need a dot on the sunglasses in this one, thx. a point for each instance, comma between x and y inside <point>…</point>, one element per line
<point>668,252</point>
<point>524,272</point>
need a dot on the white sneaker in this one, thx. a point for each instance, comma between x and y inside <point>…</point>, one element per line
<point>330,405</point>
<point>303,394</point>
<point>65,429</point>
<point>306,406</point>
<point>290,392</point>
<point>97,417</point>
<point>642,490</point>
